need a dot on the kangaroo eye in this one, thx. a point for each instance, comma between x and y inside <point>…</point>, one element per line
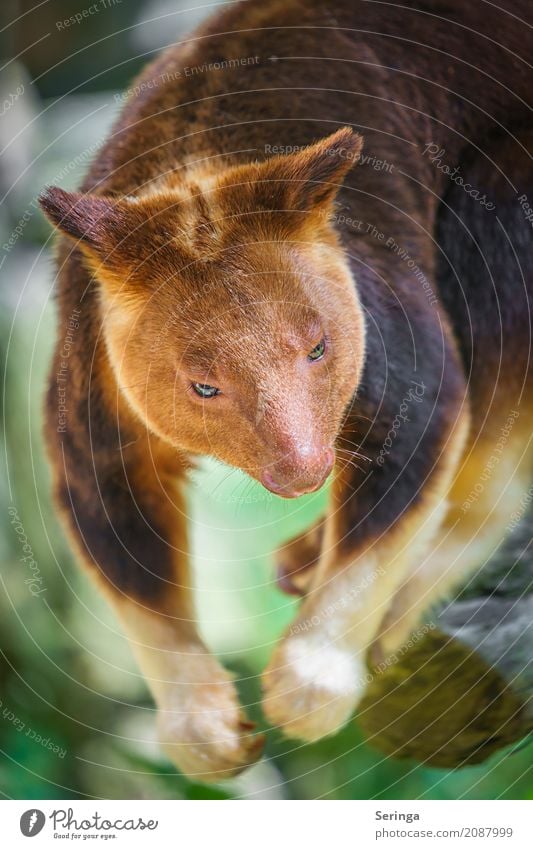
<point>205,391</point>
<point>318,351</point>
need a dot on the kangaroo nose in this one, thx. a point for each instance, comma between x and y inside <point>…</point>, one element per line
<point>301,470</point>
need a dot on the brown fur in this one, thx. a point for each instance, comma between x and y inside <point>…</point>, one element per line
<point>194,256</point>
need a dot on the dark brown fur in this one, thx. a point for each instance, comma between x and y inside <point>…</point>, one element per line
<point>215,213</point>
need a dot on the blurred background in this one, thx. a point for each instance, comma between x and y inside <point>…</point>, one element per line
<point>76,719</point>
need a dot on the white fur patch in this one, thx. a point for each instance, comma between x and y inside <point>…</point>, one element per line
<point>335,669</point>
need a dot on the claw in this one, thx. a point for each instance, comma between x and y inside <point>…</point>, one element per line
<point>295,581</point>
<point>286,583</point>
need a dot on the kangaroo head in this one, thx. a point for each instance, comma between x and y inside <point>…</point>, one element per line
<point>228,309</point>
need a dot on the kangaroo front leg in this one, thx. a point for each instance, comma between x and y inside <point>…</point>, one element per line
<point>472,533</point>
<point>201,726</point>
<point>128,523</point>
<point>318,672</point>
<point>298,559</point>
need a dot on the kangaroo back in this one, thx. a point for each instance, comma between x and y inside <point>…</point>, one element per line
<point>484,268</point>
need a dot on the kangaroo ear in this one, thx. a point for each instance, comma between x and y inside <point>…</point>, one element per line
<point>98,223</point>
<point>307,179</point>
<point>314,174</point>
<point>107,230</point>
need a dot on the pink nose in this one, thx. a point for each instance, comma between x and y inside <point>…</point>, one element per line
<point>299,471</point>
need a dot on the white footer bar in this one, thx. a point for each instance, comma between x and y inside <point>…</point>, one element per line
<point>268,824</point>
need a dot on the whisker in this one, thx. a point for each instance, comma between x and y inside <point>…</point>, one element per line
<point>355,453</point>
<point>348,461</point>
<point>223,481</point>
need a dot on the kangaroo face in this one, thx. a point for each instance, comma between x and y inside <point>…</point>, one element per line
<point>255,367</point>
<point>230,316</point>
